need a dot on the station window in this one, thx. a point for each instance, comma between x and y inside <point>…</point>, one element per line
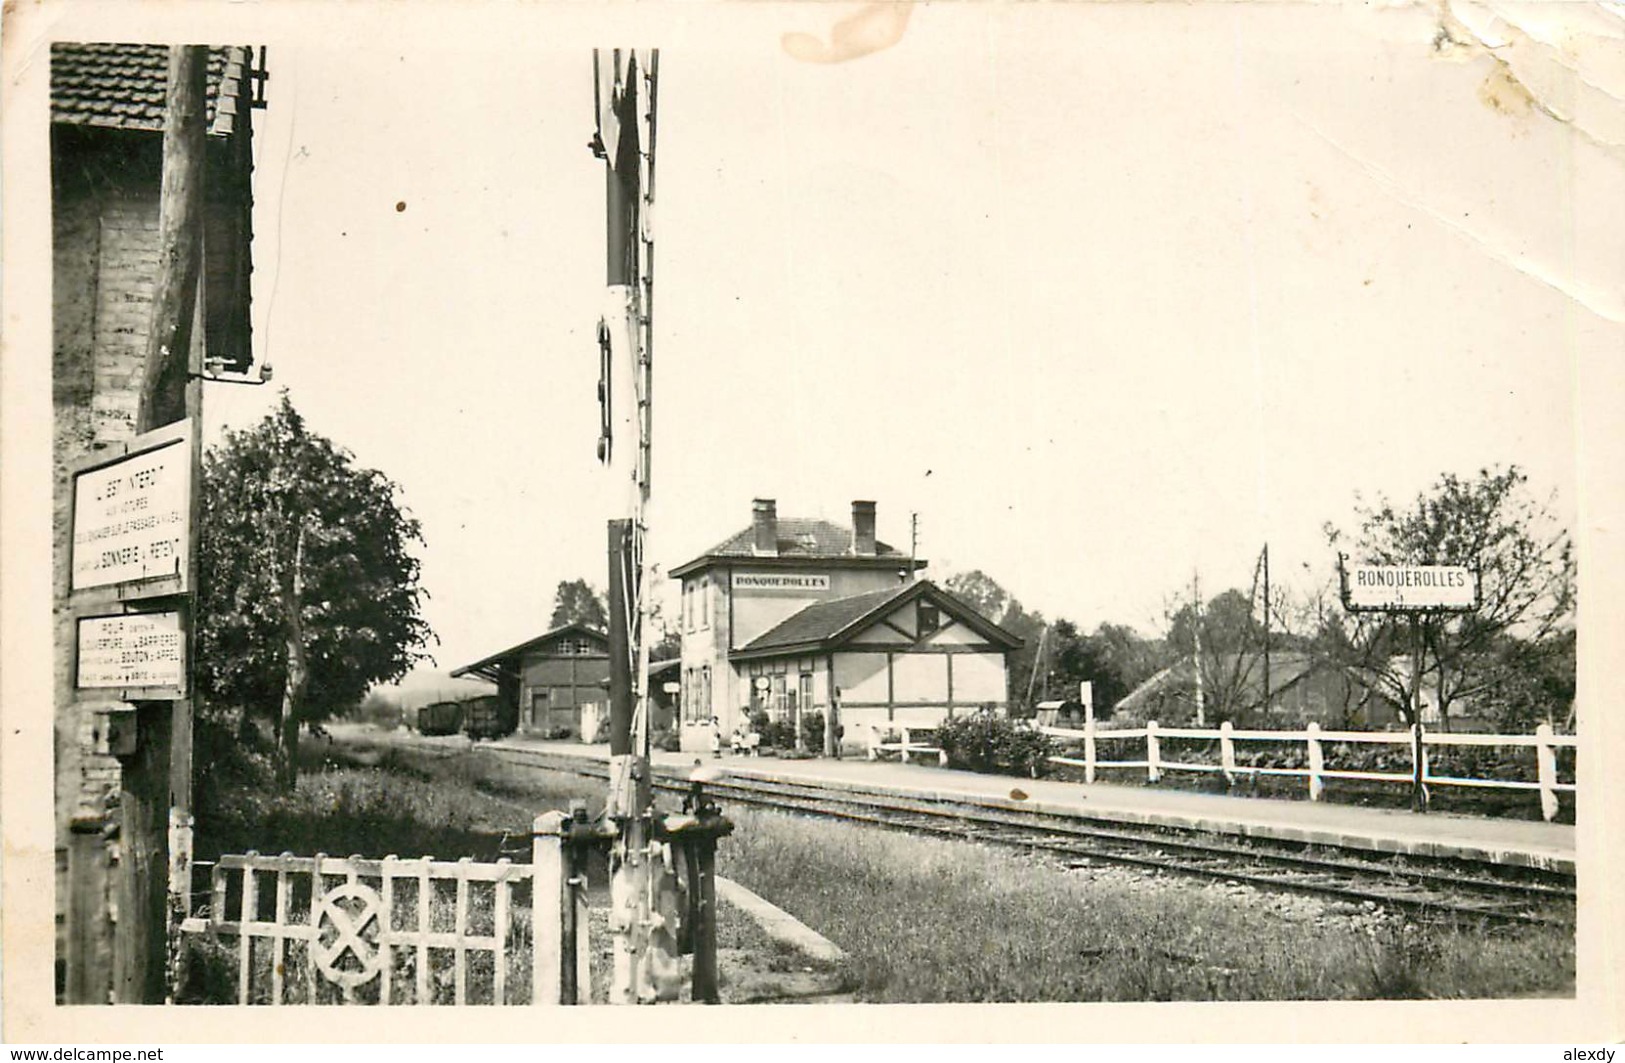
<point>929,618</point>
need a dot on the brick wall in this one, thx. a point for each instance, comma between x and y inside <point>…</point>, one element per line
<point>104,228</point>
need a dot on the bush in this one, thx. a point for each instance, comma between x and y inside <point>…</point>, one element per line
<point>812,730</point>
<point>988,742</point>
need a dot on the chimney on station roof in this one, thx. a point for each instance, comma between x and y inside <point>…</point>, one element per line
<point>764,516</point>
<point>863,529</point>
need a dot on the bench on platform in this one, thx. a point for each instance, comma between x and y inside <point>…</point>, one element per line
<point>914,740</point>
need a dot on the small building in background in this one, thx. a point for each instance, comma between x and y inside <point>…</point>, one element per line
<point>542,683</point>
<point>795,614</point>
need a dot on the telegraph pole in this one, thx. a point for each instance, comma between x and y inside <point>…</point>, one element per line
<point>1266,629</point>
<point>156,778</point>
<point>1196,645</point>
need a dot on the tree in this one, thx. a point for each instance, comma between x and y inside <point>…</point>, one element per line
<point>308,592</point>
<point>1527,588</point>
<point>1230,638</point>
<point>984,594</point>
<point>1076,658</point>
<point>578,602</point>
<point>666,641</point>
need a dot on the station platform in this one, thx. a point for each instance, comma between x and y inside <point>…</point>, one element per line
<point>1508,842</point>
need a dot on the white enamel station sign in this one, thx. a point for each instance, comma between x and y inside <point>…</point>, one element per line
<point>779,581</point>
<point>130,517</point>
<point>1411,587</point>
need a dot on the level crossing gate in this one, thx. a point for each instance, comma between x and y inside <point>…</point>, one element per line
<point>349,930</point>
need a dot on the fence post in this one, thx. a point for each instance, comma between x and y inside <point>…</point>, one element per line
<point>1419,768</point>
<point>1317,762</point>
<point>1153,770</point>
<point>1546,771</point>
<point>1227,753</point>
<point>1089,750</point>
<point>907,741</point>
<point>548,912</point>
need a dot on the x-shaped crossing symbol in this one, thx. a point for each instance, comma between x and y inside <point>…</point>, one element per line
<point>349,926</point>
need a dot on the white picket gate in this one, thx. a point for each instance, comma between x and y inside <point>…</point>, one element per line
<point>327,929</point>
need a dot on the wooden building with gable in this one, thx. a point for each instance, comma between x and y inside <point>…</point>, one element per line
<point>543,682</point>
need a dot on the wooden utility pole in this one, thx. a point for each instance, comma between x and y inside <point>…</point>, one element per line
<point>1196,645</point>
<point>1266,629</point>
<point>180,241</point>
<point>156,778</point>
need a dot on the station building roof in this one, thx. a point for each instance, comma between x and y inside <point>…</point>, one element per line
<point>830,624</point>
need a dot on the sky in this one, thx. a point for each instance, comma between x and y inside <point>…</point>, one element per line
<point>1109,295</point>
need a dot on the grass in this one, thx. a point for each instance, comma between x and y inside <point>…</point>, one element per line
<point>926,920</point>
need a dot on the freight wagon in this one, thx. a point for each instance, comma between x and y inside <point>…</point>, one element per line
<point>440,718</point>
<point>482,718</point>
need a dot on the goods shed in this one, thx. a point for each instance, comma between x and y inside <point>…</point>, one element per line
<point>543,682</point>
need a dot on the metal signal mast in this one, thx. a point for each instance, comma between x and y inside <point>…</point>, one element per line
<point>662,868</point>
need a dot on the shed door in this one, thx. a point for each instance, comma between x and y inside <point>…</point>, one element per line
<point>562,710</point>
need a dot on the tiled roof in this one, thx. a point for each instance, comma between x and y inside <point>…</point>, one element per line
<point>122,86</point>
<point>799,537</point>
<point>824,620</point>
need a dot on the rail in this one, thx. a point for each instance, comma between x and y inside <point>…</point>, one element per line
<point>1544,742</point>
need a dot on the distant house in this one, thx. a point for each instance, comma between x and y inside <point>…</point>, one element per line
<point>543,682</point>
<point>662,702</point>
<point>1302,688</point>
<point>804,614</point>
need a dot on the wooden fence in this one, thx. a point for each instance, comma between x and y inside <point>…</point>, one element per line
<point>1544,741</point>
<point>417,931</point>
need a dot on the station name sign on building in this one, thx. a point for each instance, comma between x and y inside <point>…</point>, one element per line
<point>779,581</point>
<point>1402,587</point>
<point>135,651</point>
<point>131,515</point>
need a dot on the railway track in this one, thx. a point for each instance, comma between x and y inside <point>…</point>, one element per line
<point>1426,890</point>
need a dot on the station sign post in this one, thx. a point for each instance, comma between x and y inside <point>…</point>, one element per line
<point>1414,591</point>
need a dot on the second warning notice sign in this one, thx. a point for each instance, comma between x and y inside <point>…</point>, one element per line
<point>132,651</point>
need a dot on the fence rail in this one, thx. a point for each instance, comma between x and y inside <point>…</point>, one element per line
<point>1418,739</point>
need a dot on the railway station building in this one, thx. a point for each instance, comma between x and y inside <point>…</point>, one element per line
<point>805,614</point>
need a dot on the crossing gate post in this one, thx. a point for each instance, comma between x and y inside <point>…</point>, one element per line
<point>1546,771</point>
<point>1153,752</point>
<point>550,915</point>
<point>1227,753</point>
<point>180,896</point>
